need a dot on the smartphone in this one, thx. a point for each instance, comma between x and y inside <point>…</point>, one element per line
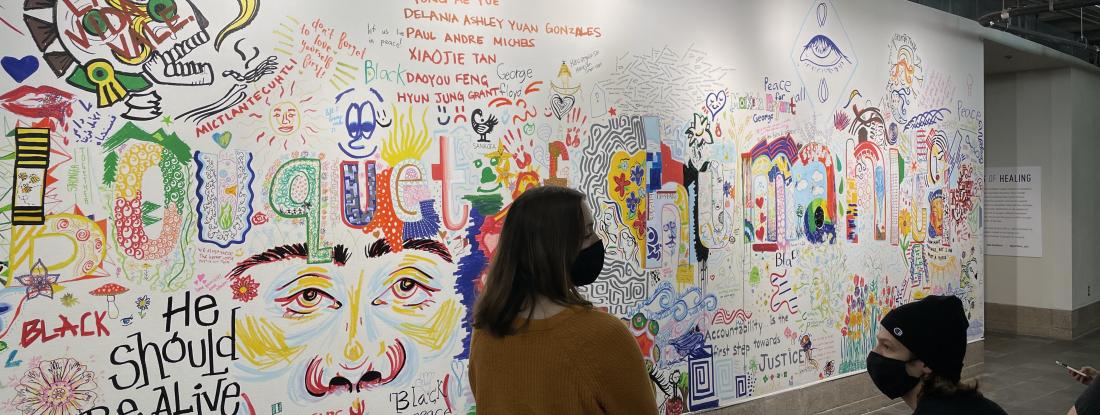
<point>1059,363</point>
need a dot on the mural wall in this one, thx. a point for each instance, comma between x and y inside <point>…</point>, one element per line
<point>284,207</point>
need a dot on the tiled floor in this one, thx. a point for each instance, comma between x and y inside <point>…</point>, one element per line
<point>1020,374</point>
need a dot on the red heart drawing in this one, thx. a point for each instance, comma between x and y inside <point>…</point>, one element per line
<point>759,234</point>
<point>760,202</point>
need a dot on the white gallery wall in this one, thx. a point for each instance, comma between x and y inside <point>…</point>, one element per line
<point>1046,118</point>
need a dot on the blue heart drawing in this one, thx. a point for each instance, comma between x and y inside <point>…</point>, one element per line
<point>20,69</point>
<point>716,101</point>
<point>222,139</point>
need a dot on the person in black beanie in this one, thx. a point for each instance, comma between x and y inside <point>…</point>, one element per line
<point>918,356</point>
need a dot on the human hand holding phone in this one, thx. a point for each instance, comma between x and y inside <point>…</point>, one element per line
<point>1084,375</point>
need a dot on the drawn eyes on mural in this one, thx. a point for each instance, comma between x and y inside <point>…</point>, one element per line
<point>307,295</point>
<point>162,10</point>
<point>640,323</point>
<point>96,23</point>
<point>822,52</point>
<point>409,290</point>
<point>493,161</point>
<point>307,301</point>
<point>360,121</point>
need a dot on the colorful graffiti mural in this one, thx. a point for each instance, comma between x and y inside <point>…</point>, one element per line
<point>278,207</point>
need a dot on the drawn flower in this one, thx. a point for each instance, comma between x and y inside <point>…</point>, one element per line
<point>620,184</point>
<point>259,218</point>
<point>841,120</point>
<point>244,288</point>
<point>632,202</point>
<point>636,175</point>
<point>639,226</point>
<point>59,386</point>
<point>39,282</point>
<point>143,302</point>
<point>69,300</point>
<point>904,225</point>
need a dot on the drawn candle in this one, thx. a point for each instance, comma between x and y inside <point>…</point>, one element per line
<point>110,290</point>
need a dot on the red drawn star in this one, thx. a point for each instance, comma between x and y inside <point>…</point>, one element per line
<point>612,111</point>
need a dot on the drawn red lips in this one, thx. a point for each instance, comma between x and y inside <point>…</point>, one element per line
<point>38,102</point>
<point>317,384</point>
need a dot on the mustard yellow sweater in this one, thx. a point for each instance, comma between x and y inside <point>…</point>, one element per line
<point>579,361</point>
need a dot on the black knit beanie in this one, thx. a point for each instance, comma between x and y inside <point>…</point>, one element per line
<point>934,329</point>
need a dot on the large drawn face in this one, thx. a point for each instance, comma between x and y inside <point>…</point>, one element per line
<point>363,322</point>
<point>284,117</point>
<point>148,36</point>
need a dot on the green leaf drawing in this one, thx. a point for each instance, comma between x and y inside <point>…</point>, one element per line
<point>147,209</point>
<point>225,216</point>
<point>110,168</point>
<point>901,169</point>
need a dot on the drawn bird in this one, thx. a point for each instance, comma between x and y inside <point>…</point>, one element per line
<point>482,126</point>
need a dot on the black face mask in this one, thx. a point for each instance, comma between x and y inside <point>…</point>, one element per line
<point>889,375</point>
<point>588,265</point>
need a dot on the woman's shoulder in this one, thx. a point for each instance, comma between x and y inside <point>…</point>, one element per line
<point>598,325</point>
<point>594,316</point>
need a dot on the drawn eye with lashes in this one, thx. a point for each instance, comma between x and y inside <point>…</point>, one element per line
<point>823,53</point>
<point>408,291</point>
<point>307,301</point>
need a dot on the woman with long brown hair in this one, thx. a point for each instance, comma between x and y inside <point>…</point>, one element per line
<point>538,346</point>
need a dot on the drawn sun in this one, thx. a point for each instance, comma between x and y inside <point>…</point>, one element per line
<point>285,117</point>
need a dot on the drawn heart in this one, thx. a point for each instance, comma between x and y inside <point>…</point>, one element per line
<point>561,104</point>
<point>20,69</point>
<point>760,234</point>
<point>760,202</point>
<point>222,139</point>
<point>715,102</point>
